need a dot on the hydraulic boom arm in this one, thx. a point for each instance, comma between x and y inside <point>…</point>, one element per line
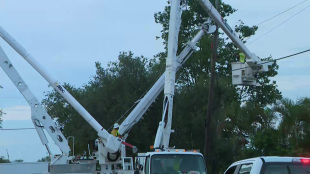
<point>111,143</point>
<point>211,10</point>
<point>253,63</point>
<point>243,73</point>
<point>39,116</point>
<point>155,90</point>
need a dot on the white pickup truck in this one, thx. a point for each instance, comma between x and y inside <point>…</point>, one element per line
<point>271,165</point>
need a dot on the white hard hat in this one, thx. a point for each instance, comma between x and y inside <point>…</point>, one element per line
<point>116,125</point>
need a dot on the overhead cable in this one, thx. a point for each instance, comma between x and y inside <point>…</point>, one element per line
<point>282,12</point>
<point>279,25</point>
<point>285,57</point>
<point>292,55</point>
<point>17,129</point>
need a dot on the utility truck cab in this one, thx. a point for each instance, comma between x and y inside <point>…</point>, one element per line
<point>174,161</point>
<point>270,165</point>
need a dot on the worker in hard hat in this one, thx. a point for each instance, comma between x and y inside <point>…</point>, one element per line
<point>242,57</point>
<point>115,130</point>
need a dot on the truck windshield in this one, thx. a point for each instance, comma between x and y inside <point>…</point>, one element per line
<point>286,168</point>
<point>177,164</point>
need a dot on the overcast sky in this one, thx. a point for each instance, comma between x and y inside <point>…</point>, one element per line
<point>68,36</point>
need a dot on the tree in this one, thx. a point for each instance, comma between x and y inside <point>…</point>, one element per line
<point>110,94</point>
<point>193,86</point>
<point>3,160</point>
<point>287,131</point>
<point>294,125</point>
<point>45,159</point>
<point>18,161</point>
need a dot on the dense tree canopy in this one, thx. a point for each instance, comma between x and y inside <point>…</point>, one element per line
<point>231,123</point>
<point>243,124</point>
<point>112,92</point>
<point>45,159</point>
<point>3,160</point>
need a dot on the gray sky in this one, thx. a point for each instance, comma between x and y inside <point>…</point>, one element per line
<point>68,36</point>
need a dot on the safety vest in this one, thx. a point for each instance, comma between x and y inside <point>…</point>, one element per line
<point>242,57</point>
<point>115,132</point>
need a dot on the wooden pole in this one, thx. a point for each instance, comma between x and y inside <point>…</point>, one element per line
<point>208,121</point>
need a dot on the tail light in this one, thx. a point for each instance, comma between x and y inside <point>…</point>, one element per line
<point>302,160</point>
<point>305,160</point>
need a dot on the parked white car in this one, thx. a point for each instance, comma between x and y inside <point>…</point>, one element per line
<point>271,165</point>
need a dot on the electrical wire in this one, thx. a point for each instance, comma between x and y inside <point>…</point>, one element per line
<point>278,25</point>
<point>281,58</point>
<point>17,129</point>
<point>282,12</point>
<point>135,103</point>
<point>291,55</point>
<point>124,114</point>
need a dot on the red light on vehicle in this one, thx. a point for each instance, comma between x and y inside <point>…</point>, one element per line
<point>305,161</point>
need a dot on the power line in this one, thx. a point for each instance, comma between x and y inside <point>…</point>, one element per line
<point>285,57</point>
<point>292,55</point>
<point>17,129</point>
<point>278,25</point>
<point>281,12</point>
<point>281,58</point>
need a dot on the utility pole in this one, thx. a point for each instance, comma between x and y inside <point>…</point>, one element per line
<point>211,98</point>
<point>7,152</point>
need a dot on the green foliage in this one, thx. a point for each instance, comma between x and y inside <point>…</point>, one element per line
<point>294,125</point>
<point>18,161</point>
<point>232,125</point>
<point>286,134</point>
<point>243,123</point>
<point>3,160</point>
<point>267,142</point>
<point>109,95</point>
<point>45,159</point>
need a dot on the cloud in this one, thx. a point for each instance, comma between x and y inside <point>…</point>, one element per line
<point>293,87</point>
<point>18,112</point>
<point>292,83</point>
<point>18,144</point>
<point>298,63</point>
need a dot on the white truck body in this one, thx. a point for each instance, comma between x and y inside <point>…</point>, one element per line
<point>108,144</point>
<point>171,161</point>
<point>270,165</point>
<point>24,168</point>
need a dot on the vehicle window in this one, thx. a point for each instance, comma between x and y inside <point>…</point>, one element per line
<point>303,169</point>
<point>147,165</point>
<point>231,170</point>
<point>245,168</point>
<point>286,168</point>
<point>276,169</point>
<point>175,164</point>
